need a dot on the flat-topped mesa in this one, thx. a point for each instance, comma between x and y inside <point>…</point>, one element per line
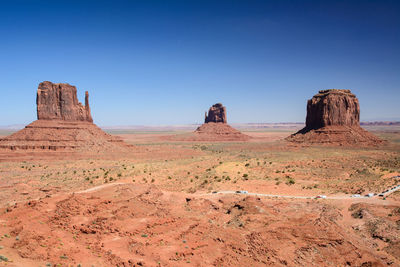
<point>332,107</point>
<point>58,101</point>
<point>333,117</point>
<point>217,113</point>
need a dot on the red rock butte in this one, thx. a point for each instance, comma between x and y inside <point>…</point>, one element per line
<point>215,127</point>
<point>217,113</point>
<point>333,117</point>
<point>58,101</point>
<point>63,124</point>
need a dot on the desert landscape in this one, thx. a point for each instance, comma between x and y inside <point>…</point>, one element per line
<point>205,133</point>
<point>163,197</point>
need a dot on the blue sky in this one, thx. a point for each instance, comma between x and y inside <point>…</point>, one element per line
<point>165,62</point>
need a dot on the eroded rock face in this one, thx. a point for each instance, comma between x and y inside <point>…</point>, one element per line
<point>333,117</point>
<point>217,113</point>
<point>58,101</point>
<point>332,107</point>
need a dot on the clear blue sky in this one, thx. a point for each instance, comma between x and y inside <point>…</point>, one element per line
<point>165,62</point>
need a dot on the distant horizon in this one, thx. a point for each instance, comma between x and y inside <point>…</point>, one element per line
<point>166,62</point>
<point>21,125</point>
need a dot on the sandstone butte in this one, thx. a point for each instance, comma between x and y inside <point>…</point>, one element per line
<point>333,117</point>
<point>58,101</point>
<point>63,123</point>
<point>215,127</point>
<point>217,113</point>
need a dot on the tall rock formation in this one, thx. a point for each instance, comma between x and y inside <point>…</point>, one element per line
<point>63,124</point>
<point>215,127</point>
<point>58,101</point>
<point>332,107</point>
<point>333,117</point>
<point>217,113</point>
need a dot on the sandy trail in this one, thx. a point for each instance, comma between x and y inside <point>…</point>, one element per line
<point>100,187</point>
<point>96,188</point>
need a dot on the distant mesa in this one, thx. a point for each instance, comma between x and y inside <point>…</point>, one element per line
<point>215,127</point>
<point>333,117</point>
<point>63,124</point>
<point>217,113</point>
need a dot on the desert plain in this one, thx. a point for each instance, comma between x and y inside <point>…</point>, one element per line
<point>171,202</point>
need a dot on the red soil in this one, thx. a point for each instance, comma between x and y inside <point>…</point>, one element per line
<point>136,225</point>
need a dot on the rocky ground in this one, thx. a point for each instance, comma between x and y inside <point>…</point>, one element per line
<point>131,225</point>
<point>154,206</point>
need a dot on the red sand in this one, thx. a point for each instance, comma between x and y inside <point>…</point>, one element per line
<point>136,225</point>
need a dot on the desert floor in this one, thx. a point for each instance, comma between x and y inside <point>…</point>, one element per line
<point>159,204</point>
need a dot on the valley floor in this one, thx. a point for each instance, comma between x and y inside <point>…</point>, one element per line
<point>155,206</point>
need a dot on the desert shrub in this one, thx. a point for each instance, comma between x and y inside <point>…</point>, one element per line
<point>290,181</point>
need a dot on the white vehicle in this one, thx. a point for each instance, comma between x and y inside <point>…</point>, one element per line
<point>370,195</point>
<point>320,196</point>
<point>356,195</point>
